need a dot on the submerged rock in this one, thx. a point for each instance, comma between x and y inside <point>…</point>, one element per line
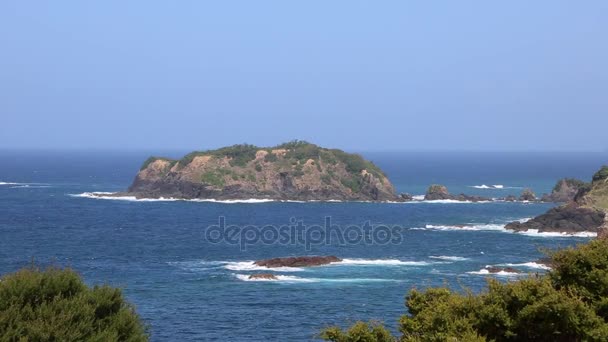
<point>301,261</point>
<point>496,269</point>
<point>268,276</point>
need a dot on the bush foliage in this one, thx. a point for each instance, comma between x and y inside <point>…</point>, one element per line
<point>601,174</point>
<point>569,303</point>
<point>56,305</point>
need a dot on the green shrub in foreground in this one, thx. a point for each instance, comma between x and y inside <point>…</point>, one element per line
<point>569,303</point>
<point>56,305</point>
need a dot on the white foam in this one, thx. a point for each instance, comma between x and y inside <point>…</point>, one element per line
<point>30,186</point>
<point>278,278</point>
<point>251,266</point>
<point>450,258</point>
<point>501,228</point>
<point>108,196</point>
<point>9,183</point>
<point>483,186</point>
<point>294,279</point>
<point>380,262</point>
<point>536,233</point>
<point>498,186</point>
<point>531,264</point>
<point>479,227</point>
<point>501,273</point>
<point>418,197</point>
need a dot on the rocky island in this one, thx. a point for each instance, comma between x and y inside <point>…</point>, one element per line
<point>585,212</point>
<point>300,261</point>
<point>296,170</point>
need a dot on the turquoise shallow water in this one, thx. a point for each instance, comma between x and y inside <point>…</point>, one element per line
<point>188,288</point>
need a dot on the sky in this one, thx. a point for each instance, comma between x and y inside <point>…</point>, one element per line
<point>358,75</point>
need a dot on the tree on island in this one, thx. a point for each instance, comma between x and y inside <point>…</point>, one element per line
<point>56,305</point>
<point>569,303</point>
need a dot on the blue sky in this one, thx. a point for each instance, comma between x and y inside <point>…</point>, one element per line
<point>358,75</point>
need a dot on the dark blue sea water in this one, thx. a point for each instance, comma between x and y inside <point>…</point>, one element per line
<point>187,288</point>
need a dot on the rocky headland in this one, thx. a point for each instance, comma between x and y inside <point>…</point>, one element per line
<point>585,212</point>
<point>297,170</point>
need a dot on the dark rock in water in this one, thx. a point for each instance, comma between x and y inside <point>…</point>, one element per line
<point>470,198</point>
<point>564,190</point>
<point>268,276</point>
<point>440,192</point>
<point>585,213</point>
<point>566,219</point>
<point>527,195</point>
<point>510,198</point>
<point>406,197</point>
<point>303,261</point>
<point>437,192</point>
<point>496,269</point>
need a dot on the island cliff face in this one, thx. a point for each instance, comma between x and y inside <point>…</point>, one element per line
<point>292,171</point>
<point>585,212</point>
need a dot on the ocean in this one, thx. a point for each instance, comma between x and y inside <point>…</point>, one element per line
<point>188,287</point>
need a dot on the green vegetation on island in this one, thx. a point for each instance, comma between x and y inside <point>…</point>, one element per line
<point>296,170</point>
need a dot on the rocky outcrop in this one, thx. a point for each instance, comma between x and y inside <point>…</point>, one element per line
<point>566,219</point>
<point>263,276</point>
<point>527,195</point>
<point>585,213</point>
<point>301,261</point>
<point>437,192</point>
<point>293,171</point>
<point>406,197</point>
<point>440,192</point>
<point>496,269</point>
<point>564,190</point>
<point>510,198</point>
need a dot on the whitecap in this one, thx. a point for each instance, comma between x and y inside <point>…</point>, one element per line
<point>9,183</point>
<point>484,271</point>
<point>483,186</point>
<point>479,227</point>
<point>294,279</point>
<point>251,266</point>
<point>380,262</point>
<point>531,264</point>
<point>450,258</point>
<point>536,233</point>
<point>278,278</point>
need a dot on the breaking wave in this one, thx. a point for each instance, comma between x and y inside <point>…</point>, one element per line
<point>531,264</point>
<point>484,271</point>
<point>449,258</point>
<point>251,266</point>
<point>535,232</point>
<point>380,262</point>
<point>479,227</point>
<point>495,187</point>
<point>294,279</point>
